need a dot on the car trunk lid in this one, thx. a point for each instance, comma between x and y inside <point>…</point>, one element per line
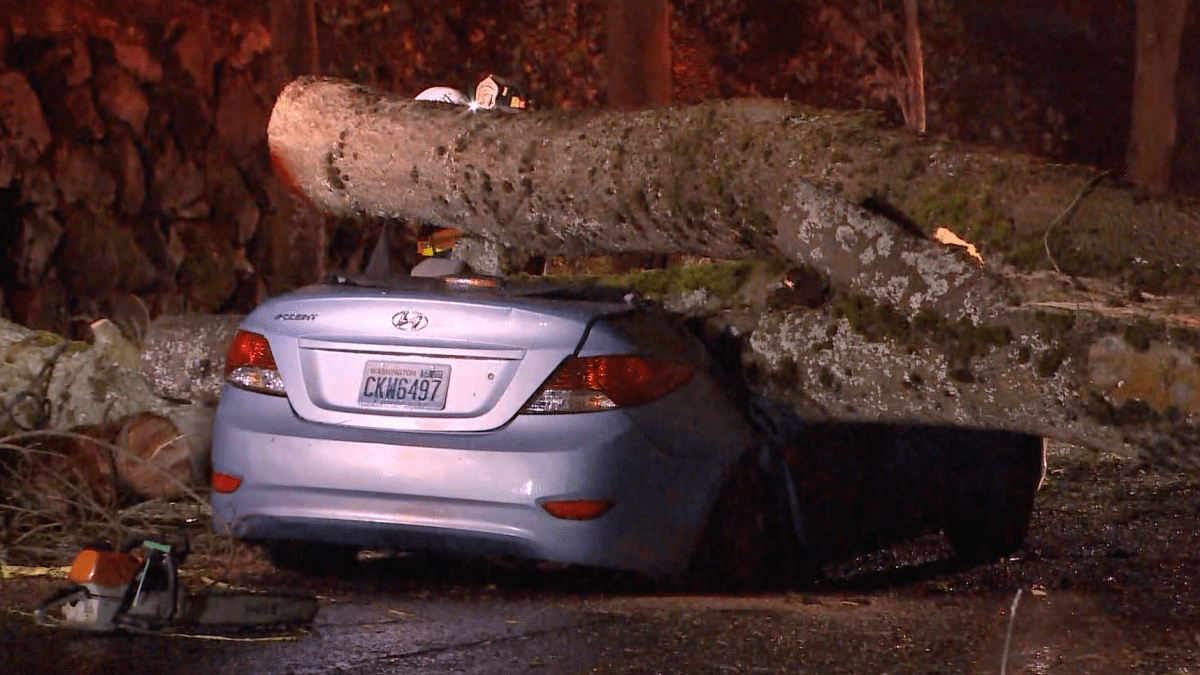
<point>418,360</point>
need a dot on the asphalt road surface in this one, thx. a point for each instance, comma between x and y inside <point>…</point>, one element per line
<point>1109,583</point>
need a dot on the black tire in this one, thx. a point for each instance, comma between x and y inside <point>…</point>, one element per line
<point>990,517</point>
<point>747,543</point>
<point>313,559</point>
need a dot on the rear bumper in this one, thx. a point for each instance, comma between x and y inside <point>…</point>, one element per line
<point>470,493</point>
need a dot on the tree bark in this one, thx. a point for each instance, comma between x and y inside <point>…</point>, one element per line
<point>1160,25</point>
<point>294,39</point>
<point>639,53</point>
<point>916,66</point>
<point>896,326</point>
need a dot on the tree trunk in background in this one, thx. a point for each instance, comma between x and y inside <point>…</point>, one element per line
<point>294,39</point>
<point>916,66</point>
<point>639,53</point>
<point>1160,25</point>
<point>876,322</point>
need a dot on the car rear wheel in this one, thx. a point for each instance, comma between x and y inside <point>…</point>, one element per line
<point>747,543</point>
<point>312,558</point>
<point>995,505</point>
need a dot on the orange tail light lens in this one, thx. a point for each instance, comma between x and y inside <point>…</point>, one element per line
<point>578,509</point>
<point>224,483</point>
<point>249,364</point>
<point>588,384</point>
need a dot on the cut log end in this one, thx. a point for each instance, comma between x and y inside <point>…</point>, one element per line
<point>154,459</point>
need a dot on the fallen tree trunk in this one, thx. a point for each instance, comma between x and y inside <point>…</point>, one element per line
<point>902,328</point>
<point>714,178</point>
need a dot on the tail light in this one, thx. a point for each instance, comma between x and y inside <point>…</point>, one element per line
<point>250,365</point>
<point>224,483</point>
<point>472,283</point>
<point>578,509</point>
<point>594,383</point>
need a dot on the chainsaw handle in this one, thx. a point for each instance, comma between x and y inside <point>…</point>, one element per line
<point>179,551</point>
<point>158,554</point>
<point>132,543</point>
<point>172,584</point>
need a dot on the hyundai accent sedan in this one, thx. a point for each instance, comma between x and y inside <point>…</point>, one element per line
<point>447,412</point>
<point>454,414</point>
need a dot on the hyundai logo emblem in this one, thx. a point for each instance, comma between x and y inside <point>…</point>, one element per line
<point>409,321</point>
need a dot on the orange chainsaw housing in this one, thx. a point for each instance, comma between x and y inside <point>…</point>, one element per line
<point>104,568</point>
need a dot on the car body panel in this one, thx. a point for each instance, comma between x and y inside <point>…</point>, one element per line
<point>865,486</point>
<point>474,492</point>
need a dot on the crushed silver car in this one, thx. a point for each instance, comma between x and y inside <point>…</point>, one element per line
<point>446,411</point>
<point>456,414</point>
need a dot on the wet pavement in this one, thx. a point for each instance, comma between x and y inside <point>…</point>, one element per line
<point>1109,584</point>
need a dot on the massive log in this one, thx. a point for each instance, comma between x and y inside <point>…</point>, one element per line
<point>873,320</point>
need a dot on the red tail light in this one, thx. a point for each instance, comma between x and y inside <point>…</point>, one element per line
<point>249,364</point>
<point>585,384</point>
<point>224,483</point>
<point>578,509</point>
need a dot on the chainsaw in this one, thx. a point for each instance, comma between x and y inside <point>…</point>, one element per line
<point>136,589</point>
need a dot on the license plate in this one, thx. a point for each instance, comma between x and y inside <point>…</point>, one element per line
<point>404,386</point>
